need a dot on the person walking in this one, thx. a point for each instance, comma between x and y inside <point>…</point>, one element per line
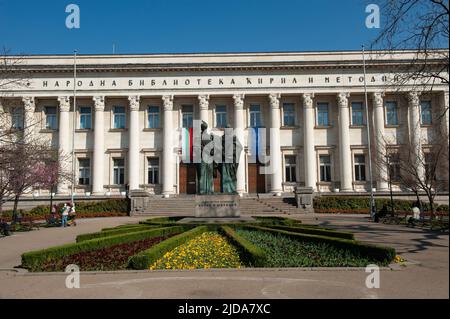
<point>65,215</point>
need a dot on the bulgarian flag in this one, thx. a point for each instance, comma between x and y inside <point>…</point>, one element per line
<point>187,145</point>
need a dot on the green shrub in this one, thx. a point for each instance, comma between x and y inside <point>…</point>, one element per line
<point>162,220</point>
<point>274,220</point>
<point>129,226</point>
<point>145,259</point>
<point>123,230</point>
<point>249,253</point>
<point>378,253</point>
<point>316,231</point>
<point>33,260</point>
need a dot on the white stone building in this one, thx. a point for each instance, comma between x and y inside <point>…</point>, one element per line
<point>129,108</point>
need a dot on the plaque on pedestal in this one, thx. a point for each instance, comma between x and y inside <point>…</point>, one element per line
<point>217,205</point>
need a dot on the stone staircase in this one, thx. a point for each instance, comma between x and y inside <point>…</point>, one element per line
<point>185,206</point>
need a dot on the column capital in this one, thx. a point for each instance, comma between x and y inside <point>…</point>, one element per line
<point>308,100</point>
<point>378,98</point>
<point>343,99</point>
<point>99,103</point>
<point>29,103</point>
<point>168,102</point>
<point>413,98</point>
<point>203,101</point>
<point>64,103</point>
<point>134,102</point>
<point>239,101</point>
<point>274,100</point>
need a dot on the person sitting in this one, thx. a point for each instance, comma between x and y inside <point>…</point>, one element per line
<point>4,227</point>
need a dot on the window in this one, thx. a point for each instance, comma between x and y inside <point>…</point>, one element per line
<point>85,118</point>
<point>290,166</point>
<point>360,168</point>
<point>188,116</point>
<point>425,112</point>
<point>221,116</point>
<point>153,170</point>
<point>288,114</point>
<point>391,113</point>
<point>255,116</point>
<point>357,114</point>
<point>323,114</point>
<point>325,168</point>
<point>430,166</point>
<point>50,118</point>
<point>119,117</point>
<point>84,171</point>
<point>17,118</point>
<point>394,167</point>
<point>119,171</point>
<point>153,117</point>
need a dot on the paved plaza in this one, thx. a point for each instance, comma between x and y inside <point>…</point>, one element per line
<point>425,275</point>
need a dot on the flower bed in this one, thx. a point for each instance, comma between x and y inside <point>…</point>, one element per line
<point>104,259</point>
<point>209,250</point>
<point>283,251</point>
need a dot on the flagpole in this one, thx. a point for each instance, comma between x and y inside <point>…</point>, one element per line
<point>74,117</point>
<point>372,201</point>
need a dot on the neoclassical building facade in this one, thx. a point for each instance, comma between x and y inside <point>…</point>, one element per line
<point>126,129</point>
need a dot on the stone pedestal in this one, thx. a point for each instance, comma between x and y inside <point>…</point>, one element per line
<point>304,197</point>
<point>139,201</point>
<point>217,206</point>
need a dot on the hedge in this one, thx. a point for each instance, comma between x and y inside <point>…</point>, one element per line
<point>249,253</point>
<point>378,253</point>
<point>161,220</point>
<point>33,260</point>
<point>125,226</point>
<point>146,258</point>
<point>274,220</point>
<point>317,231</point>
<point>108,233</point>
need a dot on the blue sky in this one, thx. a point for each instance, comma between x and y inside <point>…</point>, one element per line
<point>160,26</point>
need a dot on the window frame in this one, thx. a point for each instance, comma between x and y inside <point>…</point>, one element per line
<point>430,110</point>
<point>292,168</point>
<point>250,112</point>
<point>318,104</point>
<point>122,115</point>
<point>151,168</point>
<point>397,109</point>
<point>294,117</point>
<point>216,114</point>
<point>120,169</point>
<point>158,117</point>
<point>363,115</point>
<point>357,168</point>
<point>327,171</point>
<point>81,116</point>
<point>17,113</point>
<point>84,168</point>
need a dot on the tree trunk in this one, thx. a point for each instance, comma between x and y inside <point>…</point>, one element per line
<point>16,203</point>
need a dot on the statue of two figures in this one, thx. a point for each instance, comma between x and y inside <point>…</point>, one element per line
<point>223,158</point>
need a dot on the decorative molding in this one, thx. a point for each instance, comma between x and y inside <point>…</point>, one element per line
<point>343,99</point>
<point>167,102</point>
<point>99,103</point>
<point>274,100</point>
<point>308,100</point>
<point>204,101</point>
<point>134,102</point>
<point>29,104</point>
<point>378,99</point>
<point>239,101</point>
<point>413,98</point>
<point>64,103</point>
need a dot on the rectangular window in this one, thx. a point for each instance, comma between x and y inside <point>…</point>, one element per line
<point>394,167</point>
<point>430,166</point>
<point>188,116</point>
<point>290,167</point>
<point>288,114</point>
<point>153,117</point>
<point>391,113</point>
<point>119,117</point>
<point>84,171</point>
<point>255,116</point>
<point>17,118</point>
<point>425,112</point>
<point>119,171</point>
<point>153,170</point>
<point>50,118</point>
<point>221,116</point>
<point>85,118</point>
<point>323,114</point>
<point>357,114</point>
<point>360,168</point>
<point>325,168</point>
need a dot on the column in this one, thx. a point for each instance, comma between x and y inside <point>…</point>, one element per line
<point>444,111</point>
<point>168,154</point>
<point>64,140</point>
<point>99,146</point>
<point>378,114</point>
<point>275,147</point>
<point>133,147</point>
<point>309,151</point>
<point>204,106</point>
<point>239,129</point>
<point>415,135</point>
<point>29,122</point>
<point>344,143</point>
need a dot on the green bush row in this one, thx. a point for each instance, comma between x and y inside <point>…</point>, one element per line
<point>129,226</point>
<point>33,260</point>
<point>378,253</point>
<point>360,203</point>
<point>108,233</point>
<point>274,220</point>
<point>161,220</point>
<point>146,258</point>
<point>316,231</point>
<point>249,253</point>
